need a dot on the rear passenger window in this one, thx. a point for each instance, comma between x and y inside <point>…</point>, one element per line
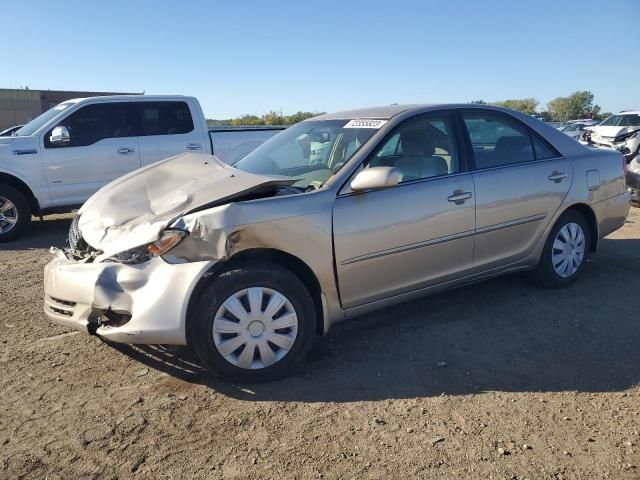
<point>164,118</point>
<point>497,140</point>
<point>542,150</point>
<point>421,148</point>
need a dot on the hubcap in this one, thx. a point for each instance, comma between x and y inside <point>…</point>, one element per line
<point>8,215</point>
<point>255,328</point>
<point>568,250</point>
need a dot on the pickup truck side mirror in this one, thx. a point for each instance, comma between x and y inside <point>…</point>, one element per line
<point>60,136</point>
<point>375,178</point>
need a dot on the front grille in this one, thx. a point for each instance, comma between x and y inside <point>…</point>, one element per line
<point>66,303</point>
<point>61,307</point>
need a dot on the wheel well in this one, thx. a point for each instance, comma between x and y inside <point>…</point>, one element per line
<point>278,257</point>
<point>23,188</point>
<point>587,213</point>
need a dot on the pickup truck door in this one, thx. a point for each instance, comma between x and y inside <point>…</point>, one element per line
<point>102,147</point>
<point>168,128</point>
<point>419,233</point>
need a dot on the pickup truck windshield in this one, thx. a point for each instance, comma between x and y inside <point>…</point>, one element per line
<point>310,151</point>
<point>31,127</point>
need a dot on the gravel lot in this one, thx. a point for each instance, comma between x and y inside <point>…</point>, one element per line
<point>498,380</point>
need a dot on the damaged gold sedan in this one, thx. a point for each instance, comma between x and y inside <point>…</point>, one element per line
<point>334,217</point>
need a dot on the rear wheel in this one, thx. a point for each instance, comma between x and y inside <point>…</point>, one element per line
<point>253,323</point>
<point>15,213</point>
<point>565,251</point>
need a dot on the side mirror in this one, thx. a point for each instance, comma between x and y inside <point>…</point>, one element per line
<point>60,136</point>
<point>375,178</point>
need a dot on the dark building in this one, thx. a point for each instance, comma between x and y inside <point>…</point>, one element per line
<point>19,106</point>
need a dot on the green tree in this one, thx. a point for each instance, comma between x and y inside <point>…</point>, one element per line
<point>525,105</point>
<point>577,105</point>
<point>270,118</point>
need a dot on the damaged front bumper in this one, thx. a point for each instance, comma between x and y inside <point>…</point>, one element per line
<point>144,303</point>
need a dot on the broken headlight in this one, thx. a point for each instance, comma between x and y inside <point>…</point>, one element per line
<point>627,136</point>
<point>168,239</point>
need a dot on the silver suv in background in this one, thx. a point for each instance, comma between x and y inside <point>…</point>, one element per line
<point>334,217</point>
<point>576,128</point>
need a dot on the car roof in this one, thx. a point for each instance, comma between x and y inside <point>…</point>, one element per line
<point>387,112</point>
<point>127,98</point>
<point>382,112</point>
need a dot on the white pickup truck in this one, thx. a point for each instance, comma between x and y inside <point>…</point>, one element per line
<point>58,160</point>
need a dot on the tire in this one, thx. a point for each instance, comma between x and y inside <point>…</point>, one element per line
<point>550,271</point>
<point>234,287</point>
<point>15,213</point>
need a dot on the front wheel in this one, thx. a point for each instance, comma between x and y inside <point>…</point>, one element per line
<point>253,323</point>
<point>565,251</point>
<point>15,213</point>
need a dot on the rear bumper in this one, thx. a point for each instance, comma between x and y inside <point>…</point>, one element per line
<point>633,181</point>
<point>611,214</point>
<point>150,300</point>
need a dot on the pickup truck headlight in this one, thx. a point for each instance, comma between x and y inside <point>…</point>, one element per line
<point>634,166</point>
<point>168,239</point>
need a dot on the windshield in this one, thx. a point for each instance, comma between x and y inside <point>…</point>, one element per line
<point>310,151</point>
<point>31,127</point>
<point>629,120</point>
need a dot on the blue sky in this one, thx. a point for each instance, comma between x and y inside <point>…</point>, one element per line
<point>253,56</point>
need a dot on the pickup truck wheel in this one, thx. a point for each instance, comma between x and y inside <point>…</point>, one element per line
<point>565,252</point>
<point>253,323</point>
<point>15,213</point>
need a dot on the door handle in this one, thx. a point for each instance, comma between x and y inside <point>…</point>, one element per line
<point>194,146</point>
<point>557,176</point>
<point>125,150</point>
<point>459,197</point>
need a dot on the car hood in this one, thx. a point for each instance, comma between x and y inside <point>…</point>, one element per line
<point>134,209</point>
<point>611,130</point>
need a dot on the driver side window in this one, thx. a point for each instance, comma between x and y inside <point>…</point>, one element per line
<point>93,123</point>
<point>422,148</point>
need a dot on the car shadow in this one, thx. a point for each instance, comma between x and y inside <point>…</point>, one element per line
<point>506,334</point>
<point>52,231</point>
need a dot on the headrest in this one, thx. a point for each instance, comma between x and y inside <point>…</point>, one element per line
<point>513,143</point>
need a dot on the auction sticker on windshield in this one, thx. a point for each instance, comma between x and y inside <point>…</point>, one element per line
<point>365,123</point>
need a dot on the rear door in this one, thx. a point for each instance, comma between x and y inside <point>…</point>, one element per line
<point>418,233</point>
<point>167,128</point>
<point>520,182</point>
<point>103,146</point>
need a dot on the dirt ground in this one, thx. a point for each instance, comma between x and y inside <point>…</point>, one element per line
<point>502,379</point>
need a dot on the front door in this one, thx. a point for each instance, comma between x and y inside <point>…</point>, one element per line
<point>102,147</point>
<point>418,233</point>
<point>520,182</point>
